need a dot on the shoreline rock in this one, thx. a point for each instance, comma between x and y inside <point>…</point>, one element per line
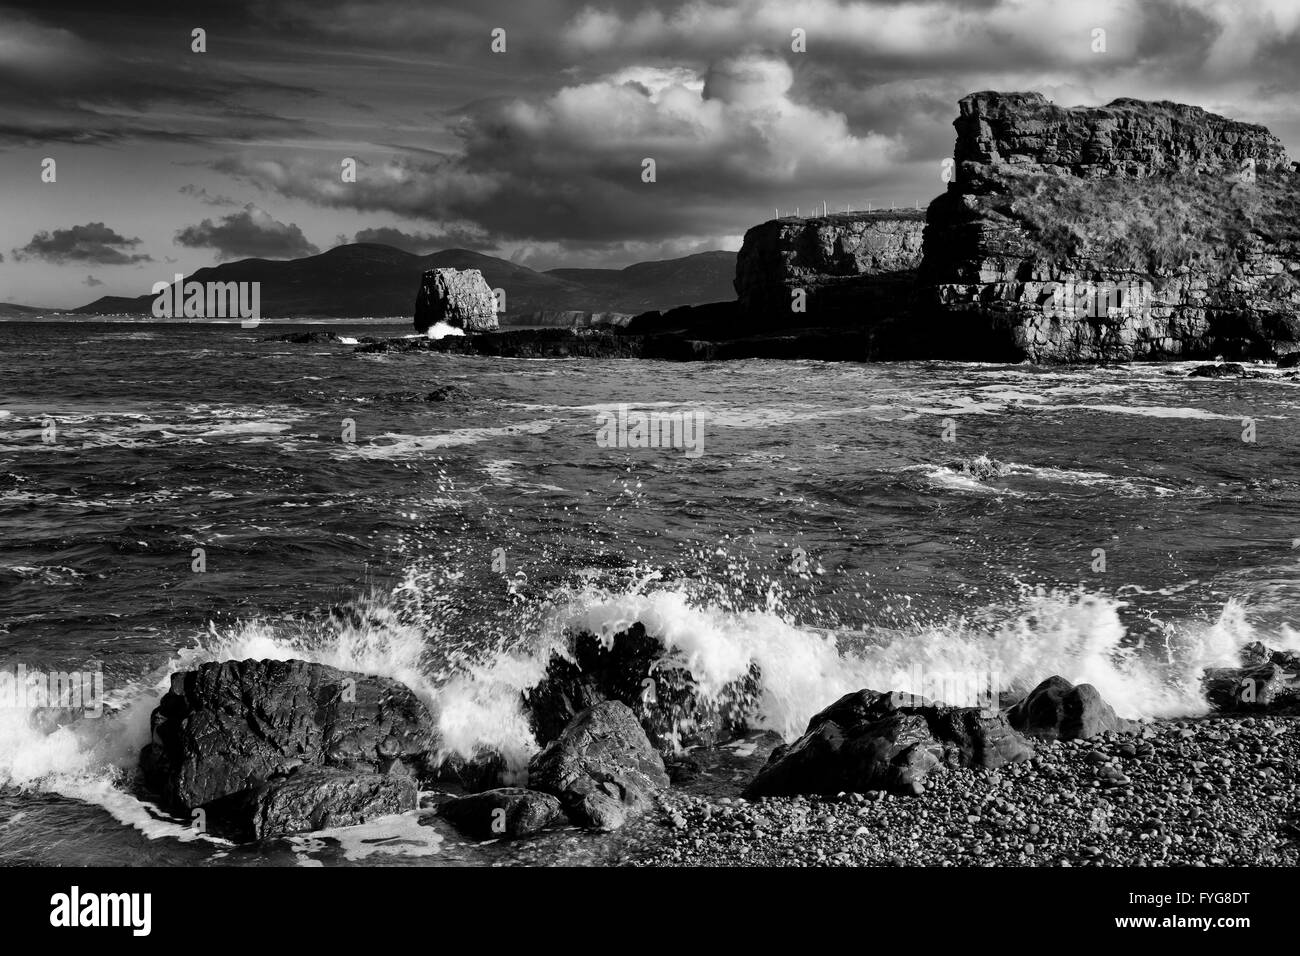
<point>1267,681</point>
<point>225,732</point>
<point>636,669</point>
<point>507,813</point>
<point>602,767</point>
<point>271,748</point>
<point>318,798</point>
<point>1059,710</point>
<point>870,740</point>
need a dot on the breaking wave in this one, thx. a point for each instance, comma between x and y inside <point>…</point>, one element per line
<point>475,691</point>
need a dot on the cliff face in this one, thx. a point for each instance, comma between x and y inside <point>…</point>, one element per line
<point>851,266</point>
<point>1131,231</point>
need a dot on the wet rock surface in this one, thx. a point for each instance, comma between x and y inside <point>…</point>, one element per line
<point>318,798</point>
<point>603,768</point>
<point>225,730</point>
<point>1057,709</point>
<point>1267,681</point>
<point>635,668</point>
<point>509,813</point>
<point>874,741</point>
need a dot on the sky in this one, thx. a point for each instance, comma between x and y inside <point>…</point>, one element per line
<point>168,159</point>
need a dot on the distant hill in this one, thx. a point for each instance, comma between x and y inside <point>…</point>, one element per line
<point>368,279</point>
<point>10,311</point>
<point>691,280</point>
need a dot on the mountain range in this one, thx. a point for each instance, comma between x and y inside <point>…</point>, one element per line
<point>369,279</point>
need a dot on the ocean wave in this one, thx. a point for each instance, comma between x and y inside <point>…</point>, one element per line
<point>402,446</point>
<point>982,475</point>
<point>1159,411</point>
<point>477,696</point>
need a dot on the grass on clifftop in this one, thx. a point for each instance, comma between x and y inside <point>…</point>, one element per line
<point>1152,225</point>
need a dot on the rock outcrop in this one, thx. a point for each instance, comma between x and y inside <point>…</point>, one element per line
<point>1059,710</point>
<point>855,267</point>
<point>873,741</point>
<point>602,767</point>
<point>457,297</point>
<point>1130,231</point>
<point>506,813</point>
<point>635,668</point>
<point>1267,681</point>
<point>317,798</point>
<point>264,745</point>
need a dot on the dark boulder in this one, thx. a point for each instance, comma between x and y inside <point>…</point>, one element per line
<point>1291,360</point>
<point>635,668</point>
<point>873,741</point>
<point>1267,681</point>
<point>1221,370</point>
<point>317,798</point>
<point>510,813</point>
<point>1058,710</point>
<point>602,767</point>
<point>224,730</point>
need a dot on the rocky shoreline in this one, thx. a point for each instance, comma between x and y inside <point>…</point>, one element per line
<point>1219,791</point>
<point>257,750</point>
<point>814,344</point>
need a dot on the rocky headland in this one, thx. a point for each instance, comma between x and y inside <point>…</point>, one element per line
<point>1135,231</point>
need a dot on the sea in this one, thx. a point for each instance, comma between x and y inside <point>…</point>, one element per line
<point>172,494</point>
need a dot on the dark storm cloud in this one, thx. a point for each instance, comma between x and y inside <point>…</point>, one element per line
<point>91,281</point>
<point>544,143</point>
<point>93,242</point>
<point>102,78</point>
<point>251,232</point>
<point>569,166</point>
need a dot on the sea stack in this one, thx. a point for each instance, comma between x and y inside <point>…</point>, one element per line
<point>457,297</point>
